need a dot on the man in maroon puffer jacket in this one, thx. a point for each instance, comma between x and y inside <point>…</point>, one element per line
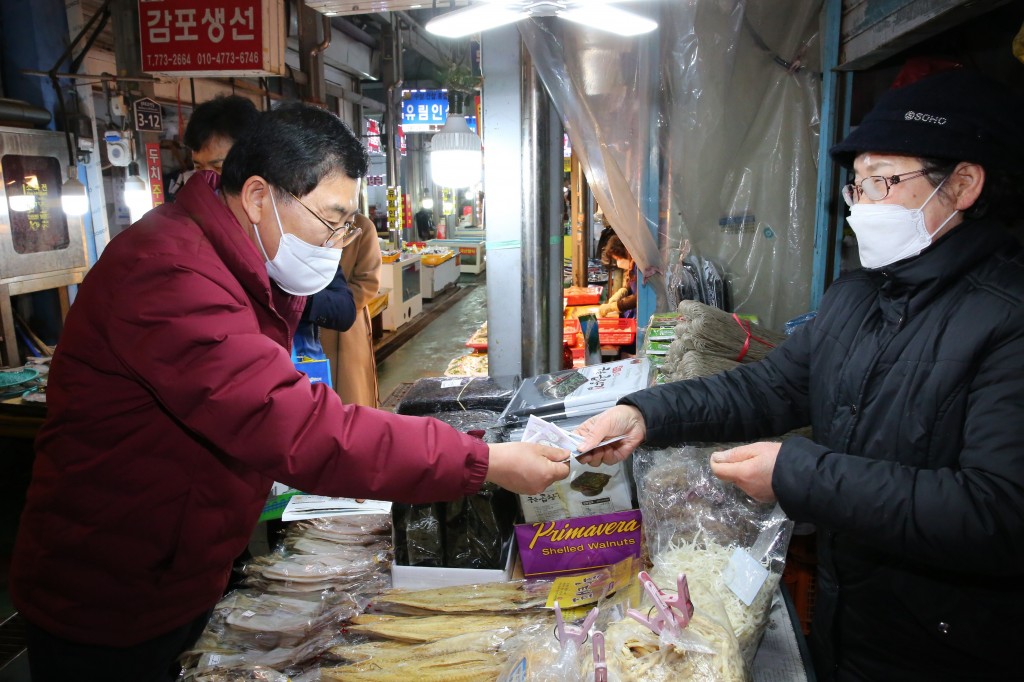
<point>174,404</point>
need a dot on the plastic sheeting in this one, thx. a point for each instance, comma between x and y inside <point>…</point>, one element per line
<point>604,87</point>
<point>724,100</point>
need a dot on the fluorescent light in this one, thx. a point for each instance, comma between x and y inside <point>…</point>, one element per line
<point>22,203</point>
<point>73,198</point>
<point>455,154</point>
<point>464,22</point>
<point>608,18</point>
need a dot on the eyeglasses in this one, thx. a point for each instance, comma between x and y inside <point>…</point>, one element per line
<point>876,187</point>
<point>345,228</point>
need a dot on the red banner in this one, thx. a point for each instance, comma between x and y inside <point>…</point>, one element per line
<point>155,172</point>
<point>372,136</point>
<point>210,37</point>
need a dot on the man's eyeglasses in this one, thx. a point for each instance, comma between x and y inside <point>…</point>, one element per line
<point>345,229</point>
<point>876,187</point>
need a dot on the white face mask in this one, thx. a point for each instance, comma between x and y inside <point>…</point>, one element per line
<point>889,233</point>
<point>299,268</point>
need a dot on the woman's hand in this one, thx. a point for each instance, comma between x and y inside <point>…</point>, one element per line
<point>750,467</point>
<point>618,421</point>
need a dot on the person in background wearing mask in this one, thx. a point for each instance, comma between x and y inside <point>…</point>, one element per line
<point>211,131</point>
<point>622,302</point>
<point>912,378</point>
<point>174,405</point>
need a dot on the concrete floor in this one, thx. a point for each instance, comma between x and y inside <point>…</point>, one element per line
<point>429,352</point>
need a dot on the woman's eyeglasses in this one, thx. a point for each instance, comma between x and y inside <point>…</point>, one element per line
<point>876,187</point>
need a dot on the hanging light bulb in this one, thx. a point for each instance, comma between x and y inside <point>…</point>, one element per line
<point>22,202</point>
<point>136,194</point>
<point>73,198</point>
<point>455,151</point>
<point>428,203</point>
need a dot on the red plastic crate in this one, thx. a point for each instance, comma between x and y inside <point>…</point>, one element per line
<point>571,332</point>
<point>591,297</point>
<point>616,331</point>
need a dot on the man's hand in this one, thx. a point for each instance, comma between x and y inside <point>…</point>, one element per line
<point>750,467</point>
<point>526,468</point>
<point>619,420</point>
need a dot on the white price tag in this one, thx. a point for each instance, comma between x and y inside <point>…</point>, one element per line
<point>451,383</point>
<point>744,576</point>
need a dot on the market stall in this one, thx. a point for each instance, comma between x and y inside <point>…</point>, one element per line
<point>496,586</point>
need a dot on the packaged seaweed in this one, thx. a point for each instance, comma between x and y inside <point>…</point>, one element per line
<point>575,392</point>
<point>447,394</point>
<point>478,528</point>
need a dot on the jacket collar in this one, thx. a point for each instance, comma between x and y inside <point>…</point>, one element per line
<point>206,208</point>
<point>948,260</point>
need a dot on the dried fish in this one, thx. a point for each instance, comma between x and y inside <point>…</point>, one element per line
<point>505,597</point>
<point>433,628</point>
<point>482,642</point>
<point>465,666</point>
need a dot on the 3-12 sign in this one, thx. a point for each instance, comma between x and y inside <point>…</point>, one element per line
<point>148,115</point>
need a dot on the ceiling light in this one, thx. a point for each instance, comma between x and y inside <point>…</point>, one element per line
<point>73,198</point>
<point>455,154</point>
<point>608,18</point>
<point>464,22</point>
<point>22,203</point>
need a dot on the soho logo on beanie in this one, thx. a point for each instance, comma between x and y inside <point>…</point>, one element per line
<point>924,118</point>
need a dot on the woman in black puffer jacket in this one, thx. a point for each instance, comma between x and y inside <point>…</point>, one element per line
<point>912,376</point>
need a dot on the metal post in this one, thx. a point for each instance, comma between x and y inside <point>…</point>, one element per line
<point>534,169</point>
<point>580,219</point>
<point>311,48</point>
<point>503,114</point>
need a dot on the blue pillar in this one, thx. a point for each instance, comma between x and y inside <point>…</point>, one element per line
<point>33,36</point>
<point>833,122</point>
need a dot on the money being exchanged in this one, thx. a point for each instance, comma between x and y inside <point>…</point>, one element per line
<point>541,431</point>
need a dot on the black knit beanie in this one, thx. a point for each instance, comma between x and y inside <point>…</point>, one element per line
<point>958,115</point>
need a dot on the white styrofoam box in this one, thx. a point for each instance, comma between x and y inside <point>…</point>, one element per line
<point>425,577</point>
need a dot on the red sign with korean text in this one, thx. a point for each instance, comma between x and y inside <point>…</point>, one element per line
<point>372,136</point>
<point>210,37</point>
<point>155,172</point>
